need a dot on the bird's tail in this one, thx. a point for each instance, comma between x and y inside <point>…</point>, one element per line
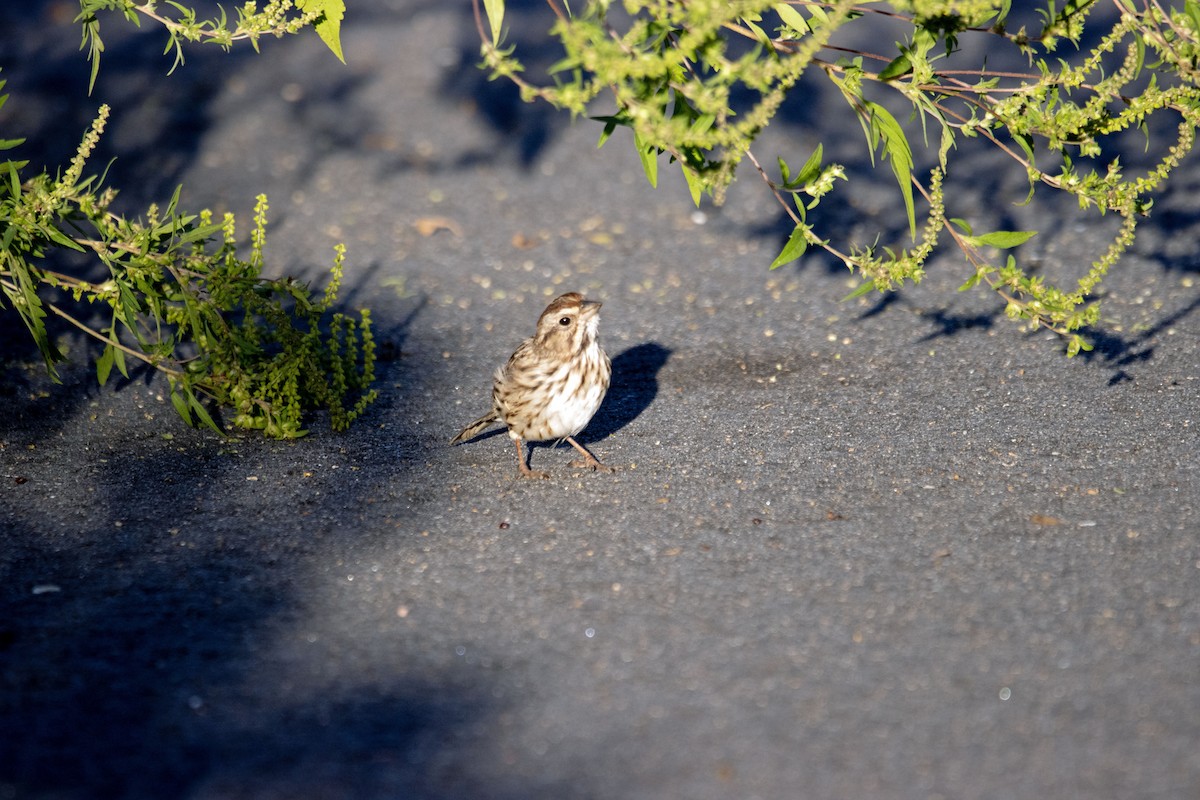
<point>475,428</point>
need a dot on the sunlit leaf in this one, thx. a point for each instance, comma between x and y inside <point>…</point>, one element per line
<point>811,168</point>
<point>896,149</point>
<point>797,243</point>
<point>792,18</point>
<point>695,183</point>
<point>495,15</point>
<point>649,159</point>
<point>329,24</point>
<point>1005,239</point>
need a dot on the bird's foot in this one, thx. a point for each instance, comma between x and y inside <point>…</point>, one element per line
<point>591,463</point>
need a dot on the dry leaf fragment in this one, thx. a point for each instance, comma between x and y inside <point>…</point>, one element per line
<point>428,226</point>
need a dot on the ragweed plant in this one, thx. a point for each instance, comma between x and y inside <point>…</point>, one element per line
<point>672,68</point>
<point>277,18</point>
<point>177,296</point>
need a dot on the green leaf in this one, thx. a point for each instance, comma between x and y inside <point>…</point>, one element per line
<point>119,360</point>
<point>1005,239</point>
<point>202,413</point>
<point>1026,143</point>
<point>1192,9</point>
<point>811,168</point>
<point>14,180</point>
<point>703,123</point>
<point>792,18</point>
<point>199,233</point>
<point>59,238</point>
<point>93,43</point>
<point>758,32</point>
<point>1076,344</point>
<point>962,225</point>
<point>181,406</point>
<point>900,65</point>
<point>610,125</point>
<point>104,364</point>
<point>649,157</point>
<point>797,243</point>
<point>329,24</point>
<point>695,183</point>
<point>817,17</point>
<point>495,15</point>
<point>25,297</point>
<point>896,149</point>
<point>971,282</point>
<point>562,65</point>
<point>10,233</point>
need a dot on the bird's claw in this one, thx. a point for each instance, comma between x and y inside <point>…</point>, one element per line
<point>592,464</point>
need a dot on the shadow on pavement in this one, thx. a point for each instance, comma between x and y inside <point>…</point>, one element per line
<point>1113,350</point>
<point>154,646</point>
<point>521,128</point>
<point>634,387</point>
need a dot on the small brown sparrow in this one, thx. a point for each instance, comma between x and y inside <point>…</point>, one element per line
<point>554,382</point>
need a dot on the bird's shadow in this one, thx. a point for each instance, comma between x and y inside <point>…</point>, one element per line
<point>634,387</point>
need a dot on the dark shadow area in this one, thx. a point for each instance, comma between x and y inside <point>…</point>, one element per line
<point>97,676</point>
<point>136,629</point>
<point>633,388</point>
<point>372,743</point>
<point>1113,350</point>
<point>157,121</point>
<point>147,654</point>
<point>160,116</point>
<point>522,129</point>
<point>391,325</point>
<point>882,303</point>
<point>948,324</point>
<point>27,393</point>
<point>945,322</point>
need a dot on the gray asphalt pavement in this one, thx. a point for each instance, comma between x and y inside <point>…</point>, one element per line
<point>864,549</point>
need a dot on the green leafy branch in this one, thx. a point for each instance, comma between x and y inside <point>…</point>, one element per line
<point>671,69</point>
<point>277,18</point>
<point>179,299</point>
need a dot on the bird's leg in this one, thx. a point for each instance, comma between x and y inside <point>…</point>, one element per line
<point>521,462</point>
<point>589,461</point>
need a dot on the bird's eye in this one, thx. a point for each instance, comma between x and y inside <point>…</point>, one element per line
<point>565,321</point>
